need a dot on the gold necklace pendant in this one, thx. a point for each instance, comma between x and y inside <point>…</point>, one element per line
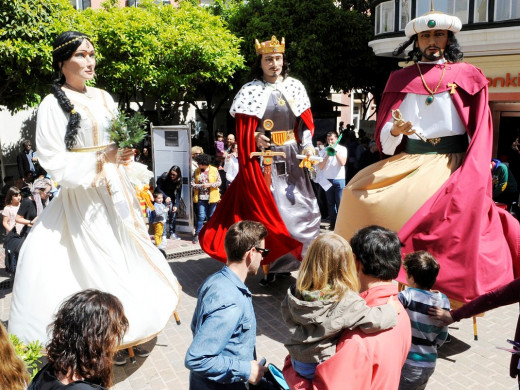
<point>278,96</point>
<point>430,98</point>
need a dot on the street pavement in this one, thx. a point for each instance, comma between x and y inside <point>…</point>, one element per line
<point>463,364</point>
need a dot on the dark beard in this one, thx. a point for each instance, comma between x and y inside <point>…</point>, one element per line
<point>433,57</point>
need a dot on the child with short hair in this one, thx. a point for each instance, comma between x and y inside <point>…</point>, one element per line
<point>161,215</point>
<point>219,146</point>
<point>421,273</point>
<point>325,301</point>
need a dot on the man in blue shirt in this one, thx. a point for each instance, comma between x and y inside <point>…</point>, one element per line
<point>222,354</point>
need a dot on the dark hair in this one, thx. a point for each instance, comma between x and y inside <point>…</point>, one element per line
<point>86,332</point>
<point>379,252</point>
<point>332,132</point>
<point>452,52</point>
<point>241,237</point>
<point>177,170</point>
<point>258,73</point>
<point>12,191</point>
<point>423,267</point>
<point>64,47</point>
<point>219,134</point>
<point>203,159</point>
<point>157,193</point>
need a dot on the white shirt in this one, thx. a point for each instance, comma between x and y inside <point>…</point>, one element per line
<point>439,119</point>
<point>333,170</point>
<point>231,167</point>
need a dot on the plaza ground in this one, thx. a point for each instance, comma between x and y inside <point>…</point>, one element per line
<point>463,364</point>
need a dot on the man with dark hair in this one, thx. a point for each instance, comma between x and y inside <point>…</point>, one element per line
<point>332,168</point>
<point>367,361</point>
<point>222,354</point>
<point>435,188</point>
<point>272,115</point>
<point>26,160</point>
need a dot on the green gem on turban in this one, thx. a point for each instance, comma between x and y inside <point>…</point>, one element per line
<point>431,23</point>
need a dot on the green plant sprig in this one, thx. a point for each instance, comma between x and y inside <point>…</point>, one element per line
<point>128,132</point>
<point>30,353</point>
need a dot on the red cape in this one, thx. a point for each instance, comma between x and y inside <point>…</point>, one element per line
<point>476,243</point>
<point>248,198</point>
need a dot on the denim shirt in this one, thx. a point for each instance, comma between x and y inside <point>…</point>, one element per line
<point>224,330</point>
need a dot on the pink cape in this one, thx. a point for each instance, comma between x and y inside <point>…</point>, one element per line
<point>248,198</point>
<point>476,243</point>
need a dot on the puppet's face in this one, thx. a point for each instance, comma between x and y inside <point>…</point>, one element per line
<point>432,43</point>
<point>272,66</point>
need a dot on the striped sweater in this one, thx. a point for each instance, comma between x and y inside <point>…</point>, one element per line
<point>426,335</point>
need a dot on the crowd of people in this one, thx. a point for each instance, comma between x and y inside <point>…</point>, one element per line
<point>345,312</point>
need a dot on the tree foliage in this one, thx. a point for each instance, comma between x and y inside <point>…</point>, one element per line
<point>27,29</point>
<point>162,54</point>
<point>326,41</point>
<point>150,54</point>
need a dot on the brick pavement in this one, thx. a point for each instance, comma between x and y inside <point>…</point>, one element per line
<point>462,364</point>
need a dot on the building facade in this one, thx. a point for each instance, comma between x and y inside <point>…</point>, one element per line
<point>490,40</point>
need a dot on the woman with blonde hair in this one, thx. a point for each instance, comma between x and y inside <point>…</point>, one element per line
<point>13,373</point>
<point>325,301</point>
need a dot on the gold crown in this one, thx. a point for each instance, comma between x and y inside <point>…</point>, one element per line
<point>272,46</point>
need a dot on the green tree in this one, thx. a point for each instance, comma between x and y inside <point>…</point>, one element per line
<point>162,55</point>
<point>27,29</point>
<point>327,42</point>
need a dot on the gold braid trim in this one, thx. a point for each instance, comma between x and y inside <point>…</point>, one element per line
<point>72,40</point>
<point>89,149</point>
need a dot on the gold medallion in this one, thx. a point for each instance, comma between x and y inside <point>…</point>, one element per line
<point>268,124</point>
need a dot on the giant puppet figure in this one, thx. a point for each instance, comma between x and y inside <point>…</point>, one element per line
<point>435,189</point>
<point>272,111</point>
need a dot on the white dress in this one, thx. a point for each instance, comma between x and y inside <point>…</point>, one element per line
<point>91,235</point>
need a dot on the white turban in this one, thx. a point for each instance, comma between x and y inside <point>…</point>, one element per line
<point>433,21</point>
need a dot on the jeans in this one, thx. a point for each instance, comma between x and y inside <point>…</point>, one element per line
<point>414,377</point>
<point>172,217</point>
<point>306,370</point>
<point>334,198</point>
<point>204,209</point>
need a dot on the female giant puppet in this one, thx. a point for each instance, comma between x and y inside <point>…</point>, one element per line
<point>274,105</point>
<point>437,192</point>
<point>92,235</point>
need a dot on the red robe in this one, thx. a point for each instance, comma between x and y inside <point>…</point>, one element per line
<point>249,198</point>
<point>476,243</point>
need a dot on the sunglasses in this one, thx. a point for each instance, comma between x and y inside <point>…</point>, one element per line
<point>263,251</point>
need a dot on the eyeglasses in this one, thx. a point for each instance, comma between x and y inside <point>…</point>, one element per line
<point>263,251</point>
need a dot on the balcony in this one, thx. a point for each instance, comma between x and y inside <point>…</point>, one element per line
<point>489,27</point>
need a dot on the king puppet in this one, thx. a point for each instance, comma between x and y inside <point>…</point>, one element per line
<point>273,125</point>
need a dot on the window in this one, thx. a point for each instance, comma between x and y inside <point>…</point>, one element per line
<point>135,3</point>
<point>385,17</point>
<point>507,9</point>
<point>405,9</point>
<point>459,8</point>
<point>480,11</point>
<point>80,4</point>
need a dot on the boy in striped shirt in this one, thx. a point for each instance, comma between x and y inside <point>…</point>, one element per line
<point>427,334</point>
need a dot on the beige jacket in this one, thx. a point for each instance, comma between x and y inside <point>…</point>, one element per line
<point>315,327</point>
